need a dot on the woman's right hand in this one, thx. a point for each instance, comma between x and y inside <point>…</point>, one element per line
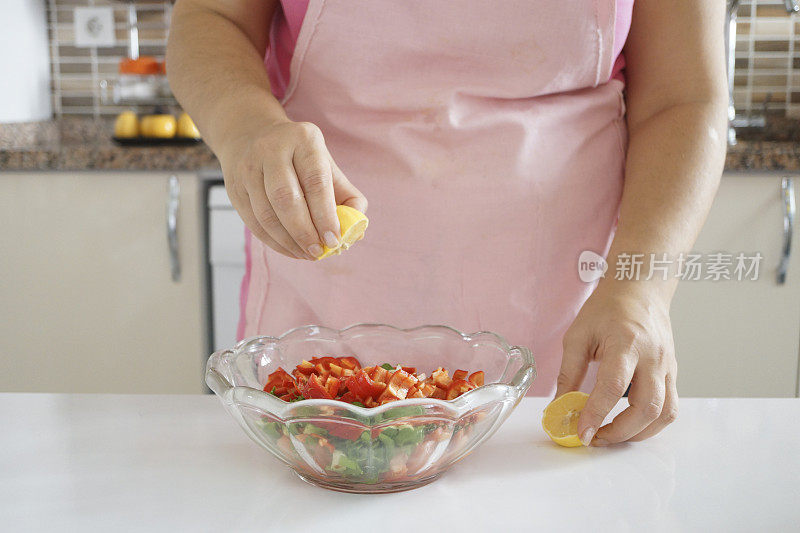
<point>284,184</point>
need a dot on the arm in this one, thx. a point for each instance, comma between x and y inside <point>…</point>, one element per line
<point>677,102</point>
<point>278,173</point>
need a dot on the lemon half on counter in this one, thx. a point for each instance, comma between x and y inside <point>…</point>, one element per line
<point>353,223</point>
<point>560,420</point>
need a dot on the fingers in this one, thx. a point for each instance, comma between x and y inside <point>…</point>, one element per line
<point>312,164</point>
<point>241,202</point>
<point>574,363</point>
<point>269,221</point>
<point>613,376</point>
<point>668,413</point>
<point>287,187</point>
<point>346,193</point>
<point>288,202</point>
<point>646,398</point>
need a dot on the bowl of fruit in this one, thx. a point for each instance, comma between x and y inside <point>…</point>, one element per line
<point>371,408</point>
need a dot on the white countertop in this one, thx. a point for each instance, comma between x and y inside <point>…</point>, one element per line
<point>180,463</point>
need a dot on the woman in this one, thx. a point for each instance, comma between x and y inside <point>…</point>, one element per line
<point>491,139</point>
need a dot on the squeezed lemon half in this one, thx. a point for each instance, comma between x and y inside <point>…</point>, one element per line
<point>353,223</point>
<point>560,419</point>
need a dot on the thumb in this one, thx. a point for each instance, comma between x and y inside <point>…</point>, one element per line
<point>574,362</point>
<point>345,192</point>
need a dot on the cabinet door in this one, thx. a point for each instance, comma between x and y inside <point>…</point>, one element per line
<point>740,338</point>
<point>88,299</point>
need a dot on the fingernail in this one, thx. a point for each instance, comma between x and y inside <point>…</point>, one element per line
<point>330,239</point>
<point>315,250</point>
<point>586,436</point>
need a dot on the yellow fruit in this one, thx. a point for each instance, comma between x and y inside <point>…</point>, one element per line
<point>353,224</point>
<point>160,126</point>
<point>186,127</point>
<point>126,125</point>
<point>560,420</point>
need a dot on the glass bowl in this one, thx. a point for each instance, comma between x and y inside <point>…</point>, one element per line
<point>397,446</point>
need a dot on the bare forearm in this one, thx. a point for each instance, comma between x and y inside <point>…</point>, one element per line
<point>217,73</point>
<point>675,160</point>
<point>677,101</point>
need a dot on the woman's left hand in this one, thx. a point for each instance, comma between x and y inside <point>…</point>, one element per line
<point>627,330</point>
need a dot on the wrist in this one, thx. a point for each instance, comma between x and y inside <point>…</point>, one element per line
<point>241,115</point>
<point>656,292</point>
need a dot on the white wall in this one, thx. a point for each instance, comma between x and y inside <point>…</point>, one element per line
<point>24,62</point>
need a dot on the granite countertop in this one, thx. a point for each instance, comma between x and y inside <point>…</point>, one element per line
<point>85,144</point>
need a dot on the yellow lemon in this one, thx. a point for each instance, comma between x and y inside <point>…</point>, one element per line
<point>353,223</point>
<point>186,127</point>
<point>159,126</point>
<point>126,125</point>
<point>560,420</point>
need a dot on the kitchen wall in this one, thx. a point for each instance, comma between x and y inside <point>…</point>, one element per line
<point>767,59</point>
<point>79,73</point>
<point>767,56</point>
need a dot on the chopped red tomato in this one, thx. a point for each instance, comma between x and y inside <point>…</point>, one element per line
<point>363,386</point>
<point>476,378</point>
<point>397,386</point>
<point>324,361</point>
<point>460,374</point>
<point>441,378</point>
<point>322,452</point>
<point>457,388</point>
<point>343,379</point>
<point>379,374</point>
<point>332,386</point>
<point>342,428</point>
<point>305,367</point>
<point>349,363</point>
<point>315,389</point>
<point>348,397</point>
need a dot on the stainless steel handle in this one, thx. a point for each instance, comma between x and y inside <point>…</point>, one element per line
<point>789,209</point>
<point>730,53</point>
<point>791,6</point>
<point>173,202</point>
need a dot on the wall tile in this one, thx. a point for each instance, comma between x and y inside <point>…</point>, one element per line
<point>767,55</point>
<point>767,58</point>
<point>78,73</point>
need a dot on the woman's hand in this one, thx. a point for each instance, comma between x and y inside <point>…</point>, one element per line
<point>628,332</point>
<point>284,184</point>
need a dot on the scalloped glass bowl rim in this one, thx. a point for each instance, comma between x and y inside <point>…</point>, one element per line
<point>519,383</point>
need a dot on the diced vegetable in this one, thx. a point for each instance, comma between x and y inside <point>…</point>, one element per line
<point>476,378</point>
<point>343,379</point>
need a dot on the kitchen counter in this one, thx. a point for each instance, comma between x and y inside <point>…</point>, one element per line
<point>85,144</point>
<point>180,463</point>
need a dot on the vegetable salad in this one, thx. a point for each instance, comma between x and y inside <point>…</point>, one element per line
<point>344,379</point>
<point>363,448</point>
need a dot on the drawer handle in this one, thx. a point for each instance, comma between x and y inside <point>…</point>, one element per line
<point>173,202</point>
<point>789,208</point>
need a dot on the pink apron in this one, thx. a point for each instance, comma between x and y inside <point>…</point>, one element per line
<point>491,148</point>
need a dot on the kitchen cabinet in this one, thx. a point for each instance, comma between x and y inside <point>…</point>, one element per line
<point>742,338</point>
<point>92,300</point>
